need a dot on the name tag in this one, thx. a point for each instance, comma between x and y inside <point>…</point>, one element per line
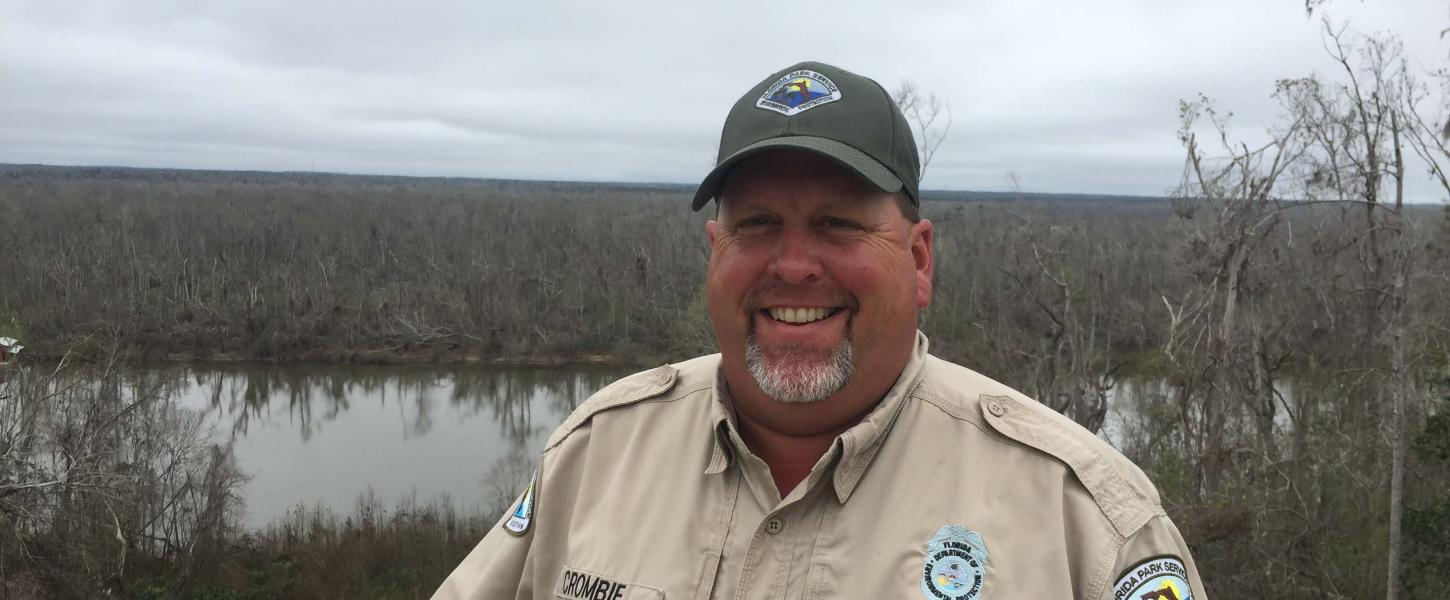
<point>575,584</point>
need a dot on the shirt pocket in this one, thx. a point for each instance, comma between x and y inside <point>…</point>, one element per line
<point>578,584</point>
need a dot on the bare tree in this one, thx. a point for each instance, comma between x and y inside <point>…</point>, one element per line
<point>930,117</point>
<point>1342,144</point>
<point>98,471</point>
<point>1359,128</point>
<point>1234,203</point>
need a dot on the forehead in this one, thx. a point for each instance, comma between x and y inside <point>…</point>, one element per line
<point>793,174</point>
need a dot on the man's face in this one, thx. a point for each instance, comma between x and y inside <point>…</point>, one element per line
<point>814,274</point>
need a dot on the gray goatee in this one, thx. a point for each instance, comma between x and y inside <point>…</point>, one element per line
<point>793,376</point>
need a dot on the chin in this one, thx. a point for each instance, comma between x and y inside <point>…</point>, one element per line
<point>799,375</point>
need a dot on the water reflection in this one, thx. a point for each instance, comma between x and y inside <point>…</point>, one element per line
<point>311,397</point>
<point>1143,413</point>
<point>325,433</point>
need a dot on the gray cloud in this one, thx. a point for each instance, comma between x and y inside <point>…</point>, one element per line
<point>1071,97</point>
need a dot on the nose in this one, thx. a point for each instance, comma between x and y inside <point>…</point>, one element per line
<point>795,260</point>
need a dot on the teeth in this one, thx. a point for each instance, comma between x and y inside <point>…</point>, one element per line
<point>799,315</point>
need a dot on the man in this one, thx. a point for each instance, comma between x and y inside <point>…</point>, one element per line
<point>823,453</point>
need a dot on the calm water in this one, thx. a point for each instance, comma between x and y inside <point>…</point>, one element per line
<point>321,435</point>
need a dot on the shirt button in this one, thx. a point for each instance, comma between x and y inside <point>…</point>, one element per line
<point>996,409</point>
<point>774,526</point>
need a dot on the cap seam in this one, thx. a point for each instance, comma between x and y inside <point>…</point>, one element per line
<point>894,124</point>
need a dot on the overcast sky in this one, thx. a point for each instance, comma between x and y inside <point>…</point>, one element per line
<point>1069,96</point>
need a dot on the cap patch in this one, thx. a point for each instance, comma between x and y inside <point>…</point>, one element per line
<point>523,513</point>
<point>1158,578</point>
<point>956,564</point>
<point>797,92</point>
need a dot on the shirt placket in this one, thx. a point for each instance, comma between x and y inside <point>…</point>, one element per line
<point>757,562</point>
<point>782,541</point>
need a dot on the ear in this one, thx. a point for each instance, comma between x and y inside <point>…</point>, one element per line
<point>712,231</point>
<point>921,259</point>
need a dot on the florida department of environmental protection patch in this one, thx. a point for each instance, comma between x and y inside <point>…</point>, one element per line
<point>797,92</point>
<point>523,515</point>
<point>956,564</point>
<point>1157,578</point>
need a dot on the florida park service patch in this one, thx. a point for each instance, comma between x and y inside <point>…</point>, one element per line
<point>523,513</point>
<point>1157,578</point>
<point>798,91</point>
<point>956,565</point>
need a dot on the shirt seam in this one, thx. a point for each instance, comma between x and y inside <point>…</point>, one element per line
<point>784,550</point>
<point>863,459</point>
<point>944,405</point>
<point>748,568</point>
<point>1105,572</point>
<point>809,558</point>
<point>1121,491</point>
<point>815,577</point>
<point>589,420</point>
<point>721,541</point>
<point>660,396</point>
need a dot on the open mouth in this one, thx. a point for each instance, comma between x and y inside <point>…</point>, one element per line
<point>801,315</point>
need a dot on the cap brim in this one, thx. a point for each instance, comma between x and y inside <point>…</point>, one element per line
<point>855,160</point>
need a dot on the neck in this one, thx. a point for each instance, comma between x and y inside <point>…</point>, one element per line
<point>792,437</point>
<point>790,456</point>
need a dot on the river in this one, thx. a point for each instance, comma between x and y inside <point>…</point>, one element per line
<point>321,435</point>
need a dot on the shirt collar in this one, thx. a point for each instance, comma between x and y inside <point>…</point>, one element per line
<point>858,445</point>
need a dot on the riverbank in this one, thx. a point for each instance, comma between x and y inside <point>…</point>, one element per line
<point>406,354</point>
<point>388,356</point>
<point>375,552</point>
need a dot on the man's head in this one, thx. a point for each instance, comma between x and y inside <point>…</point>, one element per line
<point>818,264</point>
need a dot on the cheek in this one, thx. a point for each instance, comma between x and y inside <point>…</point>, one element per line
<point>883,280</point>
<point>736,266</point>
<point>727,280</point>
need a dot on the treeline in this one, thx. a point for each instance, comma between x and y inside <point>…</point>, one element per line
<point>370,270</point>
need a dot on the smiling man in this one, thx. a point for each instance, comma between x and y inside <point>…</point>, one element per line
<point>824,453</point>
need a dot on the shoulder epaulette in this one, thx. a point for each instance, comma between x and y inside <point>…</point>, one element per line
<point>629,390</point>
<point>1119,488</point>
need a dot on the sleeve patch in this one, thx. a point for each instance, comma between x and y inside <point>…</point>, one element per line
<point>523,512</point>
<point>1157,578</point>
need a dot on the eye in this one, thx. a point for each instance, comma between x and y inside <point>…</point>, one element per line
<point>752,223</point>
<point>838,223</point>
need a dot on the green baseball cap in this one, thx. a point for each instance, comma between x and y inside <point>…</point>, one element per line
<point>823,109</point>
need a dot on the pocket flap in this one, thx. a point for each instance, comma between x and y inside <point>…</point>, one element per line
<point>578,584</point>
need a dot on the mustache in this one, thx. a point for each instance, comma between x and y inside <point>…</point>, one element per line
<point>816,293</point>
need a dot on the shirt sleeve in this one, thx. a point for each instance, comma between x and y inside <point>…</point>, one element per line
<point>499,567</point>
<point>1154,564</point>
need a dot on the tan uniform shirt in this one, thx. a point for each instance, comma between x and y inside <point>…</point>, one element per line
<point>953,487</point>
